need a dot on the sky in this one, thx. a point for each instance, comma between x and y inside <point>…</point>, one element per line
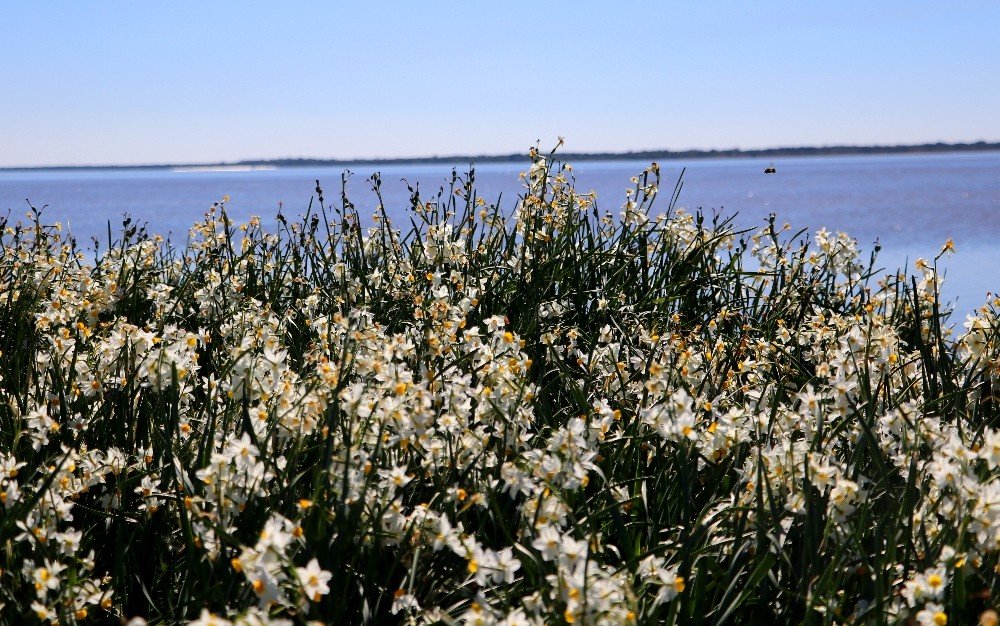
<point>96,83</point>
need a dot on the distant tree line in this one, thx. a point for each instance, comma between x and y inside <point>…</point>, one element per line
<point>647,155</point>
<point>642,155</point>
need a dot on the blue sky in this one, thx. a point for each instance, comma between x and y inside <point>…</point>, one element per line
<point>148,82</point>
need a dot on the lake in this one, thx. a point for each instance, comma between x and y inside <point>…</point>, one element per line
<point>911,204</point>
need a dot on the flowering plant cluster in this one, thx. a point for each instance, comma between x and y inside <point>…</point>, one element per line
<point>552,417</point>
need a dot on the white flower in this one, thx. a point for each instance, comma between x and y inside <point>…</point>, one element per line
<point>314,580</point>
<point>397,476</point>
<point>403,601</point>
<point>41,611</point>
<point>507,565</point>
<point>932,615</point>
<point>671,585</point>
<point>548,542</point>
<point>517,617</point>
<point>572,553</point>
<point>208,619</point>
<point>47,577</point>
<point>275,535</point>
<point>266,586</point>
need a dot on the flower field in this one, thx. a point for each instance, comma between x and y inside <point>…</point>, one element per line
<point>560,415</point>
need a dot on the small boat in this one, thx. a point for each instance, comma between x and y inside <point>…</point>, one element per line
<point>770,169</point>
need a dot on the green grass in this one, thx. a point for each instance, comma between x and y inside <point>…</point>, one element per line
<point>559,415</point>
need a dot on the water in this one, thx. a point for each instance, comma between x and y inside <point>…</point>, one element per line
<point>910,204</point>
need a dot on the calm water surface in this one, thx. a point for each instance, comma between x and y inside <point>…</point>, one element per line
<point>910,204</point>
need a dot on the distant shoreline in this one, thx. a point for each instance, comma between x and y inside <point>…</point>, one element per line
<point>644,155</point>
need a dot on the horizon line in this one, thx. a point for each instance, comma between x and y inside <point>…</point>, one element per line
<point>790,151</point>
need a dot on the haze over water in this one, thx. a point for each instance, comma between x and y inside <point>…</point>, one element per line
<point>911,204</point>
